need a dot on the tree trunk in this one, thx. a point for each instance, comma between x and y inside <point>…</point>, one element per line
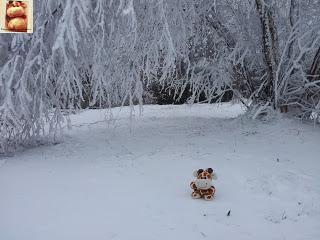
<point>314,71</point>
<point>270,48</point>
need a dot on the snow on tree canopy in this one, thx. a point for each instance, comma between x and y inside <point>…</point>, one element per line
<point>110,53</point>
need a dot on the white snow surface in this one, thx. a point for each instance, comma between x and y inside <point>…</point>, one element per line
<point>129,178</point>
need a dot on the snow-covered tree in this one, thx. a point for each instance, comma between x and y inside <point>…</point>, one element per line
<point>108,53</point>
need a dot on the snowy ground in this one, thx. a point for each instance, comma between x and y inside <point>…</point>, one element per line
<point>129,179</point>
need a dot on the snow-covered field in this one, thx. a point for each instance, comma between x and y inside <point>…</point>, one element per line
<point>129,178</point>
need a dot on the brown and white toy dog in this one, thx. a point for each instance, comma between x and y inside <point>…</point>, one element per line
<point>202,186</point>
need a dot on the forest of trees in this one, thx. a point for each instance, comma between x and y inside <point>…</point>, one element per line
<point>107,53</point>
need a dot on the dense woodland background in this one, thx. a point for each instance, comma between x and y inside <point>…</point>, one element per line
<point>105,53</point>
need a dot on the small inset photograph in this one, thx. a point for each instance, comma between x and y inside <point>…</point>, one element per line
<point>16,16</point>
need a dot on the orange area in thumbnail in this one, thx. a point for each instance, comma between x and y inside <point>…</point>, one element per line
<point>16,16</point>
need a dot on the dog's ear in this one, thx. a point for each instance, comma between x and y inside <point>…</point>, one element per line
<point>210,170</point>
<point>197,172</point>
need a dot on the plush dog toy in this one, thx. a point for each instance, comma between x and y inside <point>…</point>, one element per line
<point>202,186</point>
